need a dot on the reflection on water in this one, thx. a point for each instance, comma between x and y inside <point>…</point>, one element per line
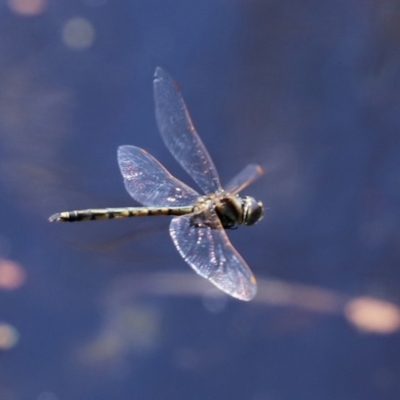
<point>132,327</point>
<point>12,275</point>
<point>28,7</point>
<point>78,33</point>
<point>128,329</point>
<point>372,315</point>
<point>9,336</point>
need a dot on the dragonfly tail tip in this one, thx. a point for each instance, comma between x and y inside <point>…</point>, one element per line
<point>55,218</point>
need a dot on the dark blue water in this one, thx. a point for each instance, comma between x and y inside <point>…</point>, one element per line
<point>109,310</point>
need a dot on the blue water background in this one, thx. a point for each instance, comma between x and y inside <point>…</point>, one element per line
<point>308,89</point>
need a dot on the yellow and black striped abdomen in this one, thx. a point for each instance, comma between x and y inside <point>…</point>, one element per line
<point>123,212</point>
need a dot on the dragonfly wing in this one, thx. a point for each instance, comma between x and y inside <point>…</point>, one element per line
<point>244,178</point>
<point>149,183</point>
<point>179,134</point>
<point>207,249</point>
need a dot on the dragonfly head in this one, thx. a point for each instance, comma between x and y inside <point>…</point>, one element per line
<point>253,210</point>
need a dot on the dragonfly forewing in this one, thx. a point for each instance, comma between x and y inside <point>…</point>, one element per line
<point>149,183</point>
<point>207,249</point>
<point>179,134</point>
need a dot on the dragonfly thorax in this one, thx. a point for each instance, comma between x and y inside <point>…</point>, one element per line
<point>229,211</point>
<point>232,210</point>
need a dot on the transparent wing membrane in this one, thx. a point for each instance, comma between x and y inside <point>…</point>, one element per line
<point>179,134</point>
<point>149,183</point>
<point>206,248</point>
<point>244,178</point>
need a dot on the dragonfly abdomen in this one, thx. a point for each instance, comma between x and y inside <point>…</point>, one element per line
<point>122,212</point>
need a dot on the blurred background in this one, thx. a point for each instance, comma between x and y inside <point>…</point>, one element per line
<point>109,310</point>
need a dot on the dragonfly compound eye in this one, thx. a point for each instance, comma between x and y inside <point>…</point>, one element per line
<point>253,210</point>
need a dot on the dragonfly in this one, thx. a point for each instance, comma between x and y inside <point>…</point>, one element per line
<point>199,223</point>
